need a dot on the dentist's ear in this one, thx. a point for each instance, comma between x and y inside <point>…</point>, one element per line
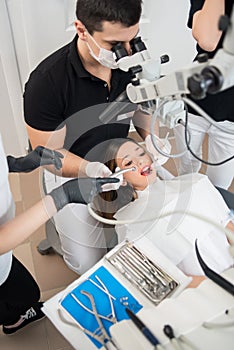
<point>80,29</point>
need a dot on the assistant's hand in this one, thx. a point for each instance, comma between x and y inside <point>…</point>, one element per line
<point>80,190</point>
<point>97,169</point>
<point>38,157</point>
<point>163,144</point>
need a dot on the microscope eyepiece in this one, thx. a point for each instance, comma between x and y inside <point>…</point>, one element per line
<point>137,45</point>
<point>119,51</point>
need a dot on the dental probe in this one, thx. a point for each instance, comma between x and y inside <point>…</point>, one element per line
<point>120,172</point>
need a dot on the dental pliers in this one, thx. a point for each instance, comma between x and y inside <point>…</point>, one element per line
<point>112,318</point>
<point>104,337</point>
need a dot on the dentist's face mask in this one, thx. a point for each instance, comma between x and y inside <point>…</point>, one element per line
<point>105,57</point>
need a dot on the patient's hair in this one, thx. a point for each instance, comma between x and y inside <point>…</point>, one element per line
<point>108,203</point>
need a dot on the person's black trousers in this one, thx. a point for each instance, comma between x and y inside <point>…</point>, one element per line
<point>17,294</point>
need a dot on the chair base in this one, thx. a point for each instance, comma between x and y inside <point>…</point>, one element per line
<point>52,241</point>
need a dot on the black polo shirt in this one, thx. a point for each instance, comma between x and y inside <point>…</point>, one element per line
<point>61,92</point>
<point>219,106</point>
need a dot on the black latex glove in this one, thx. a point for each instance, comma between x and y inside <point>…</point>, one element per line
<point>80,190</point>
<point>39,156</point>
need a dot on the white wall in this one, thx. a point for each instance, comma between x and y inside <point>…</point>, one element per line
<point>43,29</point>
<point>11,116</point>
<point>168,33</point>
<point>29,31</point>
<point>32,29</point>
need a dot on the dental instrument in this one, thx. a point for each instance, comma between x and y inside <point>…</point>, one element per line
<point>89,310</point>
<point>143,328</point>
<point>104,335</point>
<point>122,171</point>
<point>103,287</point>
<point>169,332</point>
<point>153,282</point>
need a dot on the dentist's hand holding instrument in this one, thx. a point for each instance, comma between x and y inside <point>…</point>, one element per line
<point>98,169</point>
<point>119,175</point>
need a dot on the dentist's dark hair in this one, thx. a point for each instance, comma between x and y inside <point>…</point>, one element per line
<point>93,12</point>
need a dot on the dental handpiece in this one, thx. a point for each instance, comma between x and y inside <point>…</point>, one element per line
<point>120,172</point>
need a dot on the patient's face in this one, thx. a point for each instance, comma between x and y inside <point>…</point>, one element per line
<point>131,154</point>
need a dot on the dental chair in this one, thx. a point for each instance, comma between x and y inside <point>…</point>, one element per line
<point>52,242</point>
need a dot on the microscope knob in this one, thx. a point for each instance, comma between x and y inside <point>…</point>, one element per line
<point>202,57</point>
<point>224,22</point>
<point>164,59</point>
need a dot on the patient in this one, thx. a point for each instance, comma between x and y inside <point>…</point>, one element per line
<point>146,196</point>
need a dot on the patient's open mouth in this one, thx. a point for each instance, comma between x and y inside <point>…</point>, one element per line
<point>146,170</point>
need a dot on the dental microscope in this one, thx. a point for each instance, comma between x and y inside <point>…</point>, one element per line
<point>148,89</point>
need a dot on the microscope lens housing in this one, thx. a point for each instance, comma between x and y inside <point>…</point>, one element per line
<point>119,51</point>
<point>137,45</point>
